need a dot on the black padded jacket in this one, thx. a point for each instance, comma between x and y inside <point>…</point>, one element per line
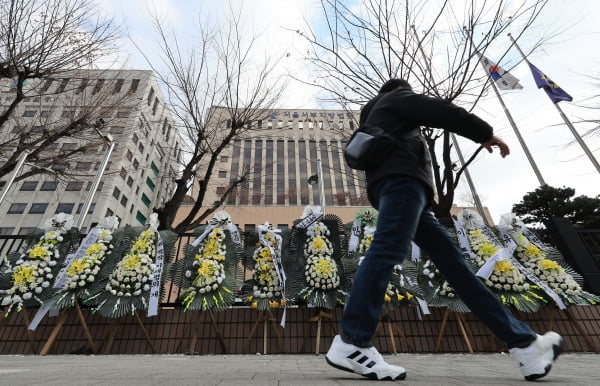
<point>400,112</point>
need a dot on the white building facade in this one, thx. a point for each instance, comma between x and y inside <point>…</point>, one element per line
<point>140,171</point>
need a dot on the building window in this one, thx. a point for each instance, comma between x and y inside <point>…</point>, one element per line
<point>141,147</point>
<point>74,186</point>
<point>123,114</point>
<point>6,230</point>
<point>83,165</point>
<point>123,173</point>
<point>38,208</point>
<point>150,184</point>
<point>129,155</point>
<point>109,213</point>
<point>222,174</point>
<point>220,190</point>
<point>279,124</point>
<point>17,208</point>
<point>136,164</point>
<point>118,86</point>
<point>154,168</point>
<point>29,186</point>
<point>89,186</point>
<point>49,186</point>
<point>129,181</point>
<point>69,146</point>
<point>124,201</point>
<point>82,86</point>
<point>45,113</point>
<point>59,166</point>
<point>141,218</point>
<point>63,84</point>
<point>64,207</point>
<point>155,106</point>
<point>98,86</point>
<point>224,158</point>
<point>134,86</point>
<point>27,230</point>
<point>29,113</point>
<point>135,138</point>
<point>116,193</point>
<point>145,200</point>
<point>150,95</point>
<point>68,114</point>
<point>290,124</point>
<point>90,210</point>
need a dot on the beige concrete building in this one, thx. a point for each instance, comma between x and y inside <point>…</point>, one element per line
<point>281,157</point>
<point>140,171</point>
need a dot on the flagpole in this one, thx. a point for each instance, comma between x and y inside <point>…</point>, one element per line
<point>478,204</point>
<point>516,130</point>
<point>587,151</point>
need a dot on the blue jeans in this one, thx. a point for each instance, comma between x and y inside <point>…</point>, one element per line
<point>404,217</point>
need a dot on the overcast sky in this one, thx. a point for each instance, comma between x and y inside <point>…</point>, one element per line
<point>570,60</point>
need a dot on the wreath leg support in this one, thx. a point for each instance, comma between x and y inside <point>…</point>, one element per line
<point>461,325</point>
<point>266,317</point>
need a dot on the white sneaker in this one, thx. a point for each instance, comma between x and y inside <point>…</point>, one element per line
<point>364,361</point>
<point>535,360</point>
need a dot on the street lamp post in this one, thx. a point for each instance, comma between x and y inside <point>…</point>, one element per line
<point>318,179</point>
<point>14,175</point>
<point>108,139</point>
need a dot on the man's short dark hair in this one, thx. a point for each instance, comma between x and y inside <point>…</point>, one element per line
<point>393,84</point>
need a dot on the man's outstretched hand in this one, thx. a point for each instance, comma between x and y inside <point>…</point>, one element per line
<point>498,142</point>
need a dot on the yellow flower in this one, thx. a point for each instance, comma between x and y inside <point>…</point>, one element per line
<point>131,262</point>
<point>487,249</point>
<point>400,297</point>
<point>254,305</point>
<point>265,254</point>
<point>387,298</point>
<point>93,249</point>
<point>265,276</point>
<point>503,266</point>
<point>208,268</point>
<point>76,267</point>
<point>282,302</point>
<point>274,304</point>
<point>23,275</point>
<point>409,295</point>
<point>318,244</point>
<point>532,250</point>
<point>139,245</point>
<point>147,235</point>
<point>476,232</point>
<point>38,252</point>
<point>104,233</point>
<point>324,267</point>
<point>249,298</point>
<point>211,248</point>
<point>549,264</point>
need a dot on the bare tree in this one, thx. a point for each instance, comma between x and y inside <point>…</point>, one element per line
<point>362,47</point>
<point>217,90</point>
<point>41,44</point>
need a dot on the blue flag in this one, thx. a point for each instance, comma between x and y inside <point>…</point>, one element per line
<point>555,93</point>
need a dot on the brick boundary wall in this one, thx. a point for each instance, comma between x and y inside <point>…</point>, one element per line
<point>172,332</point>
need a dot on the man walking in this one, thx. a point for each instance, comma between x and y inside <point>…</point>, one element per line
<point>401,189</point>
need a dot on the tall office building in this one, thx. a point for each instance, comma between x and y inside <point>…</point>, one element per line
<point>279,154</point>
<point>140,172</point>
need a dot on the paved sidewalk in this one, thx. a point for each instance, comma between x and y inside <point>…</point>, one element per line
<point>264,370</point>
